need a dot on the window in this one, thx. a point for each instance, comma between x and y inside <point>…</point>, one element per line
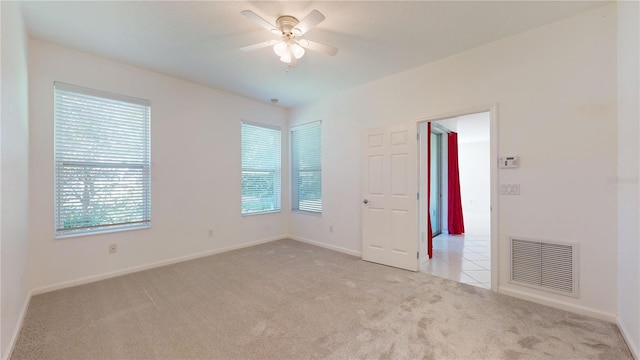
<point>102,158</point>
<point>260,168</point>
<point>306,168</point>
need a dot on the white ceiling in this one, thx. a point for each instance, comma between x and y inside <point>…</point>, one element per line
<point>199,41</point>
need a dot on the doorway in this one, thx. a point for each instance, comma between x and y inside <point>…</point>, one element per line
<point>461,255</point>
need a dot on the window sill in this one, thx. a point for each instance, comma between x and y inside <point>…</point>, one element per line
<point>302,212</point>
<point>100,232</point>
<point>262,213</point>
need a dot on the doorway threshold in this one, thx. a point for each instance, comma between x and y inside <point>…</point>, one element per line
<point>463,258</point>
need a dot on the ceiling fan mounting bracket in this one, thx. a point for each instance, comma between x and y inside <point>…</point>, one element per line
<point>286,24</point>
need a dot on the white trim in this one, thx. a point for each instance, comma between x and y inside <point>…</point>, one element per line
<point>467,111</point>
<point>633,347</point>
<point>100,93</point>
<point>291,127</point>
<point>262,213</point>
<point>305,212</point>
<point>94,278</point>
<point>104,230</point>
<point>495,208</point>
<point>264,125</point>
<point>506,290</point>
<point>326,246</point>
<point>18,328</point>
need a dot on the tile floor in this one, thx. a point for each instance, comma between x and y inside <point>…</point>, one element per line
<point>464,258</point>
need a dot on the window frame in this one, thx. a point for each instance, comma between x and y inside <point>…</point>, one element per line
<point>277,175</point>
<point>111,167</point>
<point>295,202</point>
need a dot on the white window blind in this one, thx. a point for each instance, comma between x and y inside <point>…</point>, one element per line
<point>261,162</point>
<point>306,168</point>
<point>102,161</point>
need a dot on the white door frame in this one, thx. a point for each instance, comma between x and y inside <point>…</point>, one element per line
<point>493,111</point>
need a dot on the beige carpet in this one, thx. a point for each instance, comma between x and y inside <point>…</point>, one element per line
<point>288,300</point>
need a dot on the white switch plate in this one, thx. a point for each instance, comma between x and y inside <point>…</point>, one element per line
<point>510,189</point>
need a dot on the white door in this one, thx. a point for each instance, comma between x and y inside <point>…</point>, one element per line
<point>390,216</point>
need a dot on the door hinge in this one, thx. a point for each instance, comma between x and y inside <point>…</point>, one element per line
<point>418,255</point>
<point>418,137</point>
<point>417,196</point>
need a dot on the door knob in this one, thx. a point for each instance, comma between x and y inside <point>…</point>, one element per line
<point>365,201</point>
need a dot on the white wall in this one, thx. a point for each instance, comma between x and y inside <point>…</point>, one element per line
<point>195,155</point>
<point>627,183</point>
<point>14,179</point>
<point>474,161</point>
<point>555,87</point>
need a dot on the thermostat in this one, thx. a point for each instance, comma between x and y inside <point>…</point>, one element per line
<point>509,162</point>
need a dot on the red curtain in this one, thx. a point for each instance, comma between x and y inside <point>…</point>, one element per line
<point>429,229</point>
<point>455,219</point>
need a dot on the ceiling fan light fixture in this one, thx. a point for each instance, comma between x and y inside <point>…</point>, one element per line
<point>289,48</point>
<point>287,51</point>
<point>297,50</point>
<point>286,58</point>
<point>280,48</point>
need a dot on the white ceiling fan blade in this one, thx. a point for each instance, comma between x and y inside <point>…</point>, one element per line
<point>259,45</point>
<point>316,46</point>
<point>310,21</point>
<point>260,21</point>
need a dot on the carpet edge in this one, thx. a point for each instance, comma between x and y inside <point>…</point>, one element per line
<point>326,246</point>
<point>633,347</point>
<point>581,310</point>
<point>134,269</point>
<point>18,328</point>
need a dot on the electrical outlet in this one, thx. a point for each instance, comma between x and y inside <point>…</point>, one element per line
<point>113,248</point>
<point>210,233</point>
<point>330,228</point>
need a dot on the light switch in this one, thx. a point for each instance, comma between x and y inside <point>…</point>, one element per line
<point>510,189</point>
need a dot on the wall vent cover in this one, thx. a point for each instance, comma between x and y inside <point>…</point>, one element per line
<point>544,265</point>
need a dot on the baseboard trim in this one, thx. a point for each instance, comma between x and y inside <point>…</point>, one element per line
<point>134,269</point>
<point>633,347</point>
<point>558,304</point>
<point>326,246</point>
<point>18,328</point>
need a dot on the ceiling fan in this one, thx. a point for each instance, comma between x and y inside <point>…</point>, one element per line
<point>290,47</point>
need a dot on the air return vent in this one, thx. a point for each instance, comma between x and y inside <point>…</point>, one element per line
<point>549,266</point>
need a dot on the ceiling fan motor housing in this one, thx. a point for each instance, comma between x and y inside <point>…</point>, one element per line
<point>286,24</point>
